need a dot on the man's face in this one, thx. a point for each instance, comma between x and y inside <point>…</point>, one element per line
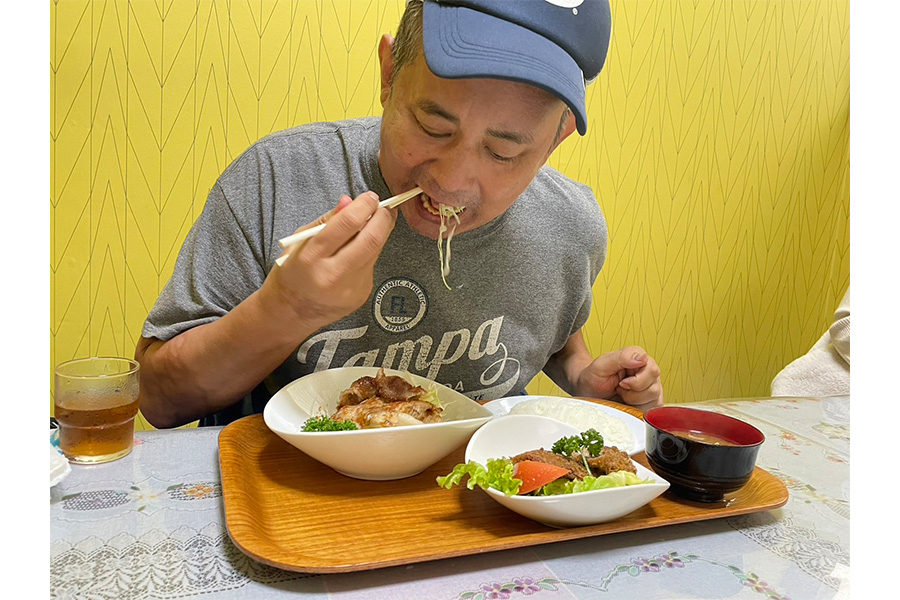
<point>473,143</point>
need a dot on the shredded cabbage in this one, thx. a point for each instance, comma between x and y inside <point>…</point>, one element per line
<point>430,394</point>
<point>432,397</point>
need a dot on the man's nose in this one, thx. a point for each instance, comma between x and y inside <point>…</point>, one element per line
<point>456,168</point>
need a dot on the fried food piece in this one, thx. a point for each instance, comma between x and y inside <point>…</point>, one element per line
<point>611,459</point>
<point>576,469</point>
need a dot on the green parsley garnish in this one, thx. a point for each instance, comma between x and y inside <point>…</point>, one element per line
<point>326,424</point>
<point>589,445</point>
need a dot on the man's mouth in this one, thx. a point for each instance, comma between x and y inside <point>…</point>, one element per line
<point>434,207</point>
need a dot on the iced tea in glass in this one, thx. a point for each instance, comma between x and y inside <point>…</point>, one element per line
<point>96,401</point>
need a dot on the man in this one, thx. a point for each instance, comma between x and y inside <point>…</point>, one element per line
<point>476,95</point>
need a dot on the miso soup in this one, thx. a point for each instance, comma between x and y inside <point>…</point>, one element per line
<point>698,436</point>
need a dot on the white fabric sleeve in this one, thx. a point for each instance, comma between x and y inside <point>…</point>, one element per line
<point>840,329</point>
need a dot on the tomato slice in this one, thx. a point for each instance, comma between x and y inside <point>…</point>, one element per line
<point>534,474</point>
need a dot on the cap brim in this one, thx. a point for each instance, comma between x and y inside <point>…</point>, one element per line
<point>462,43</point>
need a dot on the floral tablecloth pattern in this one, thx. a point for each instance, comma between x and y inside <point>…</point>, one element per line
<point>151,525</point>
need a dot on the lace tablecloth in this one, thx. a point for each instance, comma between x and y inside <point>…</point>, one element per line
<point>151,525</point>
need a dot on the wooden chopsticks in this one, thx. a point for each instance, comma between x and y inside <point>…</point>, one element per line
<point>292,240</point>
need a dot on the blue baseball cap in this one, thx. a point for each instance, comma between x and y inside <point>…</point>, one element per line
<point>556,45</point>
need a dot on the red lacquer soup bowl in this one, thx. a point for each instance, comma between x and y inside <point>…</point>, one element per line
<point>704,455</point>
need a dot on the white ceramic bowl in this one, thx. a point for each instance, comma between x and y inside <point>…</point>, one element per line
<point>513,434</point>
<point>375,454</point>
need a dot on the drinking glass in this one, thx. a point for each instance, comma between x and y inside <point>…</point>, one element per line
<point>95,403</point>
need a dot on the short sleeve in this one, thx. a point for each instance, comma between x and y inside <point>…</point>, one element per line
<point>840,329</point>
<point>221,263</point>
<point>594,238</point>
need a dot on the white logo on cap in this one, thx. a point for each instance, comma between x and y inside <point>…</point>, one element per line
<point>565,3</point>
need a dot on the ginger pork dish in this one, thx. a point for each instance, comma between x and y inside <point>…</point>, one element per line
<point>380,401</point>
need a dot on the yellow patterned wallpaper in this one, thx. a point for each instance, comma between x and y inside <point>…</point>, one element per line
<point>718,148</point>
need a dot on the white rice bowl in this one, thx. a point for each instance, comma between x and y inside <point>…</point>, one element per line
<point>581,416</point>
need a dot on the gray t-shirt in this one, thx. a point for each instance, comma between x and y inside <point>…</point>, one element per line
<point>521,283</point>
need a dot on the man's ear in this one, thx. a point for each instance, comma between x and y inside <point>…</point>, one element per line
<point>386,58</point>
<point>567,130</point>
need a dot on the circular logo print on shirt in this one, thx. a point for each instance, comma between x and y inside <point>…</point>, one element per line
<point>399,305</point>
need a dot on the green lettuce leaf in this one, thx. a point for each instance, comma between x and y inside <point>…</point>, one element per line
<point>589,483</point>
<point>498,475</point>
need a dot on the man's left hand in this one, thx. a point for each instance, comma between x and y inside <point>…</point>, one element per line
<point>629,373</point>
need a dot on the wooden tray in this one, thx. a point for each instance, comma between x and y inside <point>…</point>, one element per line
<point>290,511</point>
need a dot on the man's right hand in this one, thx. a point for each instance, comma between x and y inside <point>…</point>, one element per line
<point>210,366</point>
<point>330,275</point>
